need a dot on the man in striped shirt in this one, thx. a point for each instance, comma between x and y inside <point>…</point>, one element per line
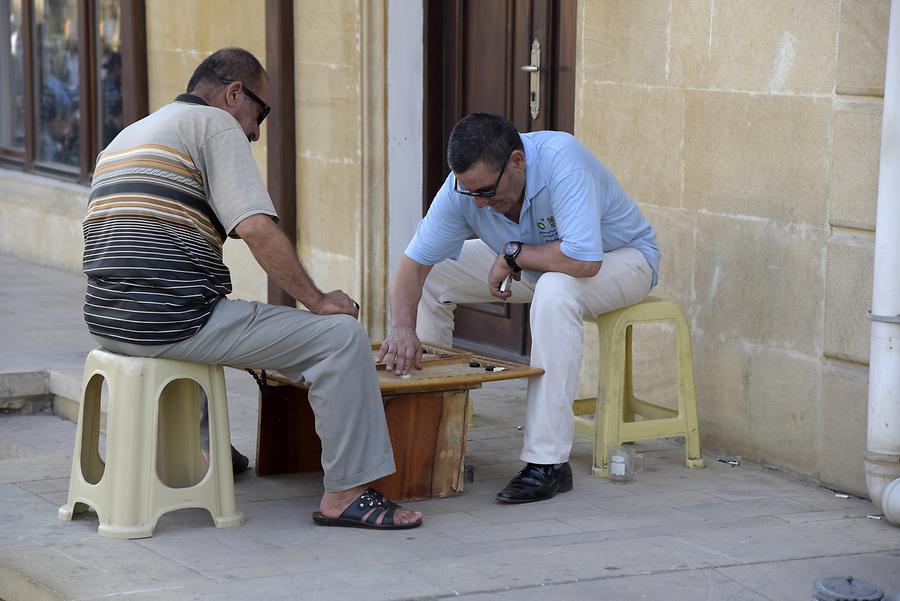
<point>166,194</point>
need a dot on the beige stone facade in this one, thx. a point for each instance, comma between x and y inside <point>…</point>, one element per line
<point>748,131</point>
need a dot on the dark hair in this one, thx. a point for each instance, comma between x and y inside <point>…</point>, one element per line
<point>481,137</point>
<point>235,64</point>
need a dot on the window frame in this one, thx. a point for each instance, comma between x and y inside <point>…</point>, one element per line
<point>135,97</point>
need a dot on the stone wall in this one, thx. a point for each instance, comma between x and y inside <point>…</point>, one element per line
<point>40,219</point>
<point>340,70</point>
<point>750,134</point>
<point>175,46</point>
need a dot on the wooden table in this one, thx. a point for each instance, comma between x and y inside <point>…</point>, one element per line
<point>426,418</point>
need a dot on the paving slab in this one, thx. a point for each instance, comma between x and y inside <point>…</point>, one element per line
<point>742,533</point>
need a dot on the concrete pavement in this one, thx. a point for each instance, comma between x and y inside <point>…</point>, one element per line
<point>723,532</point>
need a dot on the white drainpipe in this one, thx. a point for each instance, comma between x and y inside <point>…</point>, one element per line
<point>883,441</point>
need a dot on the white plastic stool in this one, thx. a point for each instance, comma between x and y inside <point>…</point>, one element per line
<point>153,459</point>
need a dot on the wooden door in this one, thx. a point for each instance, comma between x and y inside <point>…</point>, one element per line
<point>474,54</point>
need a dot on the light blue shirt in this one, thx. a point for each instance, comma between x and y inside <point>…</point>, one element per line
<point>569,196</point>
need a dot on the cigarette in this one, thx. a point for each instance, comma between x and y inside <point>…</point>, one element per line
<point>505,285</point>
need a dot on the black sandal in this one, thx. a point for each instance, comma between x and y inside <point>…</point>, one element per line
<point>369,501</point>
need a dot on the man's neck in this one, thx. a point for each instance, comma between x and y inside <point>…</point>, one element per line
<point>516,211</point>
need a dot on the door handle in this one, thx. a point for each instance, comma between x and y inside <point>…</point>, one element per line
<point>534,86</point>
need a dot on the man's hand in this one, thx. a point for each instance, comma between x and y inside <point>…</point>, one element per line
<point>274,252</point>
<point>401,351</point>
<point>499,271</point>
<point>335,302</point>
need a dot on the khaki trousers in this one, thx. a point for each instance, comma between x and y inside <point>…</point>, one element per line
<point>559,303</point>
<point>331,353</point>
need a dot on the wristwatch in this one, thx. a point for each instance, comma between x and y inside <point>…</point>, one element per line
<point>511,250</point>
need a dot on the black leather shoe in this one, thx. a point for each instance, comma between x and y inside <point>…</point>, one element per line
<point>239,462</point>
<point>537,483</point>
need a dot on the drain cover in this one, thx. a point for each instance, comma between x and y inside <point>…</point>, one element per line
<point>845,588</point>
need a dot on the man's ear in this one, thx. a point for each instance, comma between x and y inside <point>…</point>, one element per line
<point>231,93</point>
<point>518,159</point>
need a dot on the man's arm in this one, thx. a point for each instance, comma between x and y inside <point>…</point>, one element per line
<point>275,254</point>
<point>539,257</point>
<point>549,257</point>
<point>401,350</point>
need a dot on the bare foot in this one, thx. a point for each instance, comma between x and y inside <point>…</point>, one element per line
<point>333,505</point>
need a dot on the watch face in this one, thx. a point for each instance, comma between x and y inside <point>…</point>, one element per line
<point>511,249</point>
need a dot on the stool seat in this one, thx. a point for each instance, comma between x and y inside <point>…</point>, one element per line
<point>615,407</point>
<point>154,463</point>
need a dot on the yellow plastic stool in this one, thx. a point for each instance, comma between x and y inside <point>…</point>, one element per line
<point>153,459</point>
<point>615,402</point>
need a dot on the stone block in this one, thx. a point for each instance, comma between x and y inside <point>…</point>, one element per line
<point>40,220</point>
<point>248,279</point>
<point>335,186</point>
<point>758,402</point>
<point>176,46</point>
<point>862,47</point>
<point>328,108</point>
<point>784,391</point>
<point>766,46</point>
<point>723,397</point>
<point>764,156</point>
<point>842,445</point>
<point>637,132</point>
<point>675,232</point>
<point>759,282</point>
<point>327,32</point>
<point>24,384</point>
<point>848,296</point>
<point>624,41</point>
<point>855,158</point>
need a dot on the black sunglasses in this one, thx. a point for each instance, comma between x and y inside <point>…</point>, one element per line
<point>490,192</point>
<point>265,107</point>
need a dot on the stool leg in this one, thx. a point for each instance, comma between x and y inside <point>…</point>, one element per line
<point>687,395</point>
<point>609,395</point>
<point>628,389</point>
<point>226,514</point>
<point>87,466</point>
<point>130,446</point>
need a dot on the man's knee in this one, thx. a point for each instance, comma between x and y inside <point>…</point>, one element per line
<point>554,295</point>
<point>348,329</point>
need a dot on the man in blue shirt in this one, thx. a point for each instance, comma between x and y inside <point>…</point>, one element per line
<point>549,215</point>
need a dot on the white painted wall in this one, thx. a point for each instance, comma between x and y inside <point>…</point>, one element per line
<point>405,110</point>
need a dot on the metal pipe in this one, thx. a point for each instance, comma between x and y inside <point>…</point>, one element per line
<point>883,437</point>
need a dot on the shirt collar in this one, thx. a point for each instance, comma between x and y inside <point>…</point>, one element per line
<point>534,180</point>
<point>190,98</point>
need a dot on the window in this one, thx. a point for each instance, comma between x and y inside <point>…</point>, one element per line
<point>65,93</point>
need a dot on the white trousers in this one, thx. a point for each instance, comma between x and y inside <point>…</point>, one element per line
<point>558,304</point>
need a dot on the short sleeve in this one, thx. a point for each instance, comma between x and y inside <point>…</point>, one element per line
<point>577,199</point>
<point>234,188</point>
<point>441,232</point>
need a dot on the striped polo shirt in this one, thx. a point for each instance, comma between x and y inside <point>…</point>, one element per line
<point>165,194</point>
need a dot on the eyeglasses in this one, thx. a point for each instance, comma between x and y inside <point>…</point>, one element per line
<point>265,107</point>
<point>490,192</point>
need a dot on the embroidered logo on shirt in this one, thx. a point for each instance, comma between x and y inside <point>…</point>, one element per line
<point>547,228</point>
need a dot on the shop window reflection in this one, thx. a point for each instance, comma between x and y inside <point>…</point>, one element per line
<point>57,78</point>
<point>12,87</point>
